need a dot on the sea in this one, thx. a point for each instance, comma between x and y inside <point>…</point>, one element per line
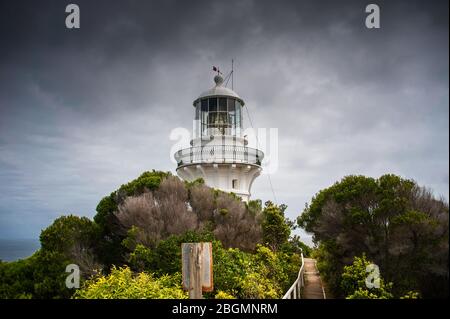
<point>15,249</point>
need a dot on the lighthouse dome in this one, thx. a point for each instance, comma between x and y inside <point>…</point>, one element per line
<point>219,90</point>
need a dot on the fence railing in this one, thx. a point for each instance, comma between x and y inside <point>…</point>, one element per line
<point>219,154</point>
<point>296,289</point>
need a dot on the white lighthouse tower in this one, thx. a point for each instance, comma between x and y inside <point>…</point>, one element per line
<point>218,152</point>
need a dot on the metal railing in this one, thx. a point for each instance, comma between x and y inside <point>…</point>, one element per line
<point>295,291</point>
<point>219,154</point>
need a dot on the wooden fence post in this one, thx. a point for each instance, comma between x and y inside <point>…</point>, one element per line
<point>195,271</point>
<point>197,268</point>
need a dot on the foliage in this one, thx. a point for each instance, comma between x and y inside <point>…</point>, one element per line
<point>146,181</point>
<point>175,207</point>
<point>276,231</point>
<point>411,295</point>
<point>256,286</point>
<point>74,238</point>
<point>354,285</point>
<point>65,231</point>
<point>295,245</point>
<point>264,274</point>
<point>141,258</point>
<point>167,255</point>
<point>41,276</point>
<point>68,240</point>
<point>110,250</point>
<point>121,283</point>
<point>135,240</point>
<point>396,223</point>
<point>223,295</point>
<point>234,224</point>
<point>15,279</point>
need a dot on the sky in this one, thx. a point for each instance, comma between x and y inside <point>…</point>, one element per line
<point>83,111</point>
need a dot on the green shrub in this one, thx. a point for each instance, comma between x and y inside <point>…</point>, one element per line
<point>276,231</point>
<point>122,283</point>
<point>141,258</point>
<point>353,282</point>
<point>264,274</point>
<point>255,285</point>
<point>223,295</point>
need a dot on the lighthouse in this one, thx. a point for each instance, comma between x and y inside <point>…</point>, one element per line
<point>218,152</point>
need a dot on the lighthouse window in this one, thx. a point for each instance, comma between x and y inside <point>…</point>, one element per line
<point>234,183</point>
<point>230,105</point>
<point>205,105</point>
<point>222,104</point>
<point>213,105</point>
<point>238,115</point>
<point>197,111</point>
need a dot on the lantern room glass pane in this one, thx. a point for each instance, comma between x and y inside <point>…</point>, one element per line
<point>205,105</point>
<point>238,115</point>
<point>222,104</point>
<point>212,104</point>
<point>197,125</point>
<point>204,122</point>
<point>231,107</point>
<point>197,111</point>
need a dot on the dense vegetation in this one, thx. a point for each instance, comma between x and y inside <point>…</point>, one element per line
<point>398,225</point>
<point>131,249</point>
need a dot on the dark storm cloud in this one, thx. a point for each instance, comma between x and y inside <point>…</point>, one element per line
<point>82,111</point>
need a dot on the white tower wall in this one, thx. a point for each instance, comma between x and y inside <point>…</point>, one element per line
<point>231,178</point>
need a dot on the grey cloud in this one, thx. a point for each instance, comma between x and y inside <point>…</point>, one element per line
<point>83,111</point>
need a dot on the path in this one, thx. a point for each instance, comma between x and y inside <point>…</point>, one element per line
<point>313,285</point>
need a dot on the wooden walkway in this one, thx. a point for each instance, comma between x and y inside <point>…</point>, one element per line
<point>313,288</point>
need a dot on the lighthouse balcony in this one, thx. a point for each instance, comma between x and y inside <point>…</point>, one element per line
<point>219,154</point>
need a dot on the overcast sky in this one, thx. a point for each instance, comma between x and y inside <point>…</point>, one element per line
<point>84,111</point>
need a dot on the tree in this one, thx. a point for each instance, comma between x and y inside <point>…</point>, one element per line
<point>110,250</point>
<point>276,231</point>
<point>235,225</point>
<point>396,223</point>
<point>74,238</point>
<point>65,231</point>
<point>175,207</point>
<point>295,245</point>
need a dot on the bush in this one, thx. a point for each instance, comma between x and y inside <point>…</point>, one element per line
<point>235,225</point>
<point>121,283</point>
<point>223,295</point>
<point>109,250</point>
<point>295,245</point>
<point>353,282</point>
<point>167,255</point>
<point>40,276</point>
<point>276,231</point>
<point>265,274</point>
